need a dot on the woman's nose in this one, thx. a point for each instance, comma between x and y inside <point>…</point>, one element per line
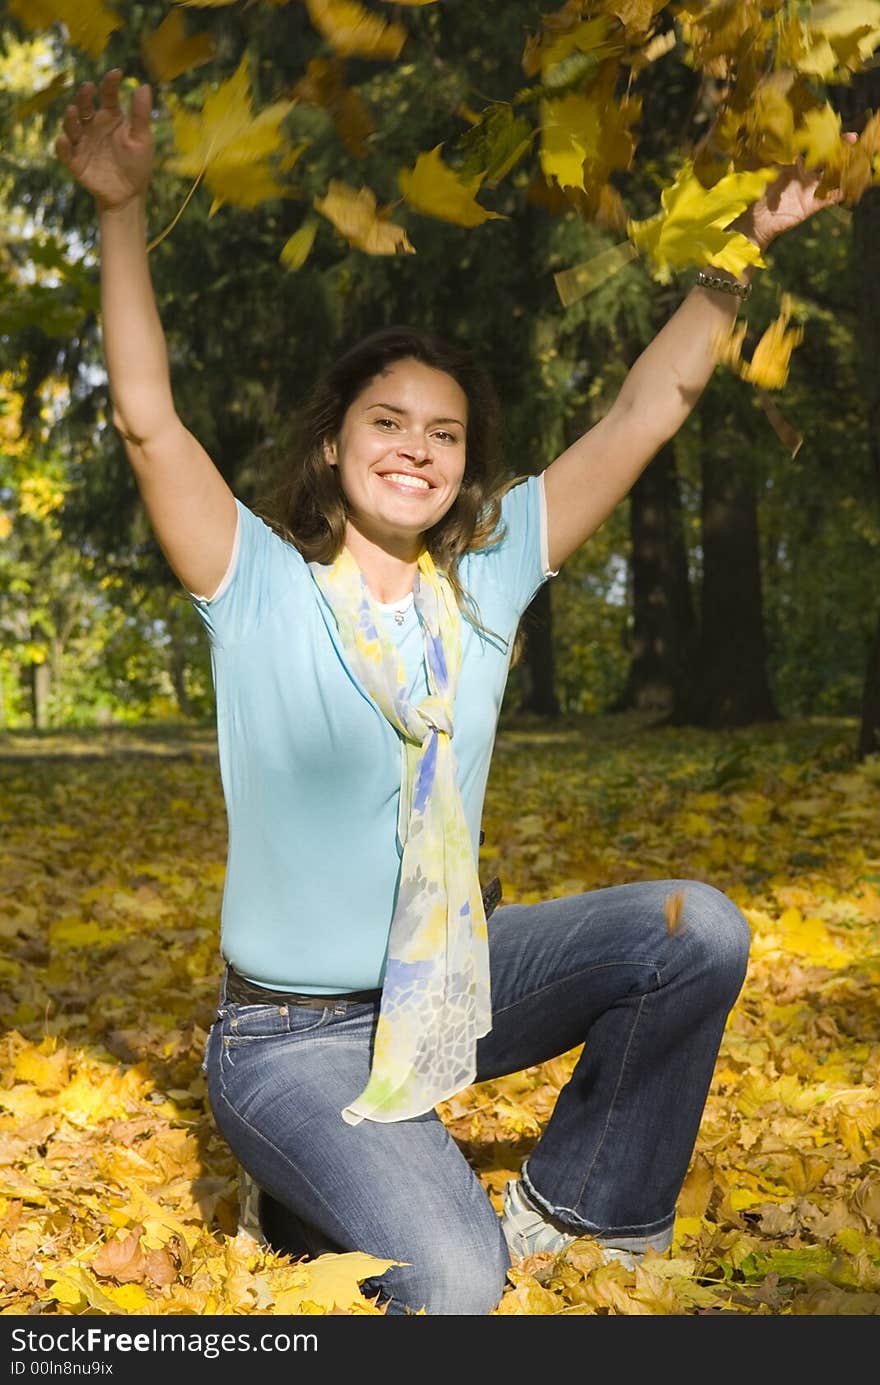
<point>416,448</point>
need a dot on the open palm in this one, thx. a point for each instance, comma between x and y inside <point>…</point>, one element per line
<point>109,153</point>
<point>789,200</point>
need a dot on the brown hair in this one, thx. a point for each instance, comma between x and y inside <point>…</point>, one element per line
<point>309,507</point>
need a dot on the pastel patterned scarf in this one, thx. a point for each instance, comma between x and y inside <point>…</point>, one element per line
<point>435,994</point>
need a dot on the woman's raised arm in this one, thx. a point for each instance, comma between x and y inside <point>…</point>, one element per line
<point>191,508</point>
<point>588,480</point>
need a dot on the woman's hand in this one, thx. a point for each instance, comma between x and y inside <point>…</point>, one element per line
<point>110,154</point>
<point>788,201</point>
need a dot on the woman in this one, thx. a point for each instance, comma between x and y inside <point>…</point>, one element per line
<point>359,666</point>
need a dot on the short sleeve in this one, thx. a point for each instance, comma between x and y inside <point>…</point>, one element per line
<point>518,563</point>
<point>263,570</point>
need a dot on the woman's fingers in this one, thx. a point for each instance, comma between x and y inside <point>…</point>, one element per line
<point>141,109</point>
<point>84,109</point>
<point>85,102</point>
<point>64,148</point>
<point>72,127</point>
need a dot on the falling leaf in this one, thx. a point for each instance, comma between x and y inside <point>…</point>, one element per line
<point>169,51</point>
<point>230,145</point>
<point>584,137</point>
<point>295,250</point>
<point>819,137</point>
<point>841,34</point>
<point>42,99</point>
<point>672,907</point>
<point>771,357</point>
<point>323,85</point>
<point>434,189</point>
<point>573,284</point>
<point>690,230</point>
<point>496,142</point>
<point>354,213</point>
<point>788,435</point>
<point>548,52</point>
<point>355,32</point>
<point>88,22</point>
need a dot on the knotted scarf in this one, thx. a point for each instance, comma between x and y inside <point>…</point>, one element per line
<point>435,993</point>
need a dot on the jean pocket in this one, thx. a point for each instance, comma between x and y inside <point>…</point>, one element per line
<point>243,1024</point>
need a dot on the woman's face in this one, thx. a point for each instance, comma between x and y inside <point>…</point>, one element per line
<point>401,453</point>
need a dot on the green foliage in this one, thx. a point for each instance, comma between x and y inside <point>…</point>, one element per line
<point>247,336</point>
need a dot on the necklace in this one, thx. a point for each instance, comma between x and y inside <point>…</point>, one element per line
<point>398,610</point>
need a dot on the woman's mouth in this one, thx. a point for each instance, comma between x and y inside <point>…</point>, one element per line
<point>402,481</point>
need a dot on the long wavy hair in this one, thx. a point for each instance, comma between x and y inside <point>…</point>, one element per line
<point>309,507</point>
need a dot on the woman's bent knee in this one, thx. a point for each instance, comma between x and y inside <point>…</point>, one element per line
<point>452,1284</point>
<point>718,932</point>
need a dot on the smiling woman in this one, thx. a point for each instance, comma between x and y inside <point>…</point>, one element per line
<point>399,446</point>
<point>400,467</point>
<point>361,638</point>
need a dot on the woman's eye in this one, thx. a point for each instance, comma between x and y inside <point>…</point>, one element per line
<point>385,422</point>
<point>446,437</point>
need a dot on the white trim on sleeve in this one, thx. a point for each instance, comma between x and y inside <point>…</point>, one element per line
<point>547,570</point>
<point>230,568</point>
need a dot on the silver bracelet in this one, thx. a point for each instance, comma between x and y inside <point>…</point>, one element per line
<point>715,281</point>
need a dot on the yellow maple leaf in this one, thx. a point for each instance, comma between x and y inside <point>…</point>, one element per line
<point>691,228</point>
<point>130,1298</point>
<point>333,1281</point>
<point>548,51</point>
<point>88,22</point>
<point>229,145</point>
<point>818,137</point>
<point>353,31</point>
<point>48,1071</point>
<point>584,137</point>
<point>354,213</point>
<point>760,127</point>
<point>170,51</point>
<point>840,37</point>
<point>71,1284</point>
<point>25,1103</point>
<point>435,189</point>
<point>771,358</point>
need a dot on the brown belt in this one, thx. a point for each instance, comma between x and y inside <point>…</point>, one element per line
<point>240,991</point>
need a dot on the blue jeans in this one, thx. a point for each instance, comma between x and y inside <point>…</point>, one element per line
<point>602,969</point>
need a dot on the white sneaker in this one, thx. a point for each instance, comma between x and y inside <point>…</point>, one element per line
<point>528,1230</point>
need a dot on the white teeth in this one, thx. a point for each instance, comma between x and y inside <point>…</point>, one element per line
<point>417,482</point>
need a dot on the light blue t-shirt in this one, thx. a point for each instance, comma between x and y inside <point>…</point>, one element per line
<point>311,768</point>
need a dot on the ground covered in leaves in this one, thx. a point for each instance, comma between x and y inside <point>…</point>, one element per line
<point>117,1194</point>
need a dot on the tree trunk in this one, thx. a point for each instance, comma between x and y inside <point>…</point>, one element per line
<point>869,730</point>
<point>177,670</point>
<point>538,683</point>
<point>40,679</point>
<point>663,616</point>
<point>730,686</point>
<point>865,246</point>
